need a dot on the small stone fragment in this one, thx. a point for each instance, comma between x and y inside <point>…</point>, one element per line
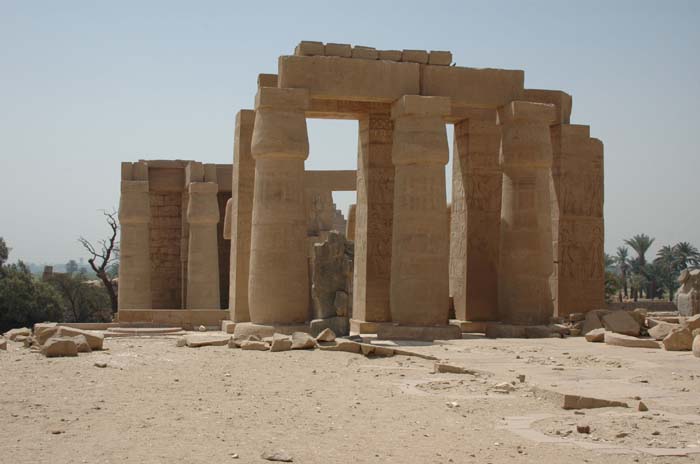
<point>342,344</point>
<point>503,387</point>
<point>252,345</point>
<point>302,341</point>
<point>279,456</point>
<point>583,429</point>
<point>280,343</point>
<point>327,335</point>
<point>521,378</point>
<point>596,335</point>
<point>642,407</point>
<point>182,341</point>
<point>14,333</point>
<point>201,328</point>
<point>101,365</point>
<point>3,343</point>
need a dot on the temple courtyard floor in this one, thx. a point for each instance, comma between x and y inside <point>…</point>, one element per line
<point>154,402</point>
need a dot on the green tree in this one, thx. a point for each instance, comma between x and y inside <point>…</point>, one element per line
<point>641,243</point>
<point>686,255</point>
<point>24,300</point>
<point>82,300</point>
<point>623,264</point>
<point>4,252</point>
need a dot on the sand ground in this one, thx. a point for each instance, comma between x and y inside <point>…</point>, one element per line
<point>157,403</point>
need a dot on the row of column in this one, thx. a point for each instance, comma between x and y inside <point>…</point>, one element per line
<point>135,271</point>
<point>402,241</point>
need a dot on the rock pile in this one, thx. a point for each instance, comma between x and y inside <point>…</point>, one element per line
<point>53,340</point>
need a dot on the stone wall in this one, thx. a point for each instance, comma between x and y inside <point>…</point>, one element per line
<point>165,230</point>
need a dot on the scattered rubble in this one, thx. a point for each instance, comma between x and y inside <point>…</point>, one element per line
<point>254,345</point>
<point>59,347</point>
<point>630,342</point>
<point>14,333</point>
<point>198,341</point>
<point>661,329</point>
<point>444,368</point>
<point>279,456</point>
<point>303,341</point>
<point>281,343</point>
<point>327,335</point>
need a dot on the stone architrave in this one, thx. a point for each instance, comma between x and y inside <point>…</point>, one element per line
<point>476,217</point>
<point>373,221</point>
<point>134,256</point>
<point>577,216</point>
<point>202,250</point>
<point>526,255</point>
<point>241,216</point>
<point>420,248</point>
<point>350,225</point>
<point>278,284</point>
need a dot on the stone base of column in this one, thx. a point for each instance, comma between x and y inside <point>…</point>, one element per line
<point>416,332</point>
<point>358,327</point>
<point>471,326</point>
<point>264,330</point>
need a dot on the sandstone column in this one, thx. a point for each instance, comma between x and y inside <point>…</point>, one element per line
<point>241,216</point>
<point>420,250</point>
<point>202,250</point>
<point>476,217</point>
<point>135,253</point>
<point>526,264</point>
<point>278,285</point>
<point>350,225</point>
<point>577,213</point>
<point>373,219</point>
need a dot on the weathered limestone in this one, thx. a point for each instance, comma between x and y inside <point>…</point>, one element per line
<point>241,216</point>
<point>373,227</point>
<point>621,322</point>
<point>350,228</point>
<point>475,217</point>
<point>526,262</point>
<point>278,291</point>
<point>577,216</point>
<point>134,244</point>
<point>680,339</point>
<point>612,338</point>
<point>203,254</point>
<point>420,247</point>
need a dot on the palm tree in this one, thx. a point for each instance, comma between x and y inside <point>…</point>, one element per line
<point>623,264</point>
<point>640,244</point>
<point>686,255</point>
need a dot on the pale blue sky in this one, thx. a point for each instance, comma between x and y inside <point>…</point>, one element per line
<point>85,85</point>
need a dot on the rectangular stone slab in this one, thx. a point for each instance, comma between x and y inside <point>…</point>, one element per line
<point>471,86</point>
<point>351,79</point>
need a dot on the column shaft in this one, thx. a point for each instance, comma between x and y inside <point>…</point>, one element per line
<point>373,219</point>
<point>241,216</point>
<point>526,261</point>
<point>420,237</point>
<point>278,285</point>
<point>135,254</point>
<point>203,250</point>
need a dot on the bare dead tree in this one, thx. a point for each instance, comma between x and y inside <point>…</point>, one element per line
<point>108,254</point>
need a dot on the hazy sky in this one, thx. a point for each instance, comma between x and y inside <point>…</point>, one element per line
<point>85,85</point>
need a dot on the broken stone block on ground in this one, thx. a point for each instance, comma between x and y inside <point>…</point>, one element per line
<point>326,336</point>
<point>616,339</point>
<point>662,329</point>
<point>303,341</point>
<point>20,332</point>
<point>596,335</point>
<point>680,339</point>
<point>252,345</point>
<point>59,347</point>
<point>198,341</point>
<point>622,322</point>
<point>281,343</point>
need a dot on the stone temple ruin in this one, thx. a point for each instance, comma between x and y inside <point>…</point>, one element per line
<point>521,242</point>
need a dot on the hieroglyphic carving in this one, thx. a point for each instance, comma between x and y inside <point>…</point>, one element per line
<point>578,219</point>
<point>374,212</point>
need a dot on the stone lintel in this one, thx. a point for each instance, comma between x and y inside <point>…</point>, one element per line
<point>488,88</point>
<point>282,99</point>
<point>349,79</point>
<point>527,111</point>
<point>336,181</point>
<point>561,100</point>
<point>416,105</point>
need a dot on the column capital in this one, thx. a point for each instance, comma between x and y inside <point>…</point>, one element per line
<point>420,106</point>
<point>280,131</point>
<point>203,207</point>
<point>134,204</point>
